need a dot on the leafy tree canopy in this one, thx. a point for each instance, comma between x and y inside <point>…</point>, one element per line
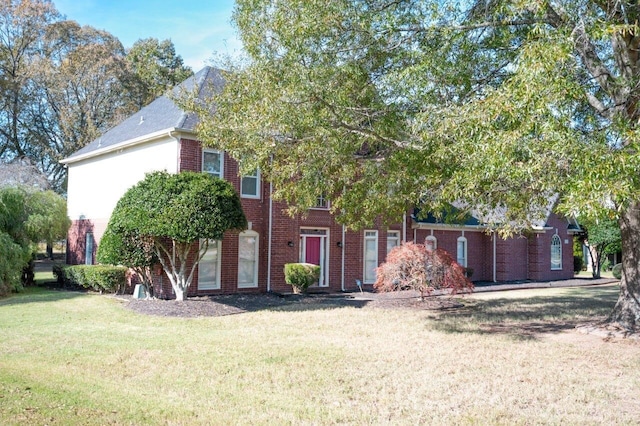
<point>175,211</point>
<point>382,104</point>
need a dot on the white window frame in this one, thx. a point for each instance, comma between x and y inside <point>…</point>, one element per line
<point>322,203</point>
<point>255,176</point>
<point>433,240</point>
<point>254,282</point>
<point>461,255</point>
<point>556,250</point>
<point>213,151</point>
<point>215,285</point>
<point>369,235</point>
<point>89,243</point>
<point>393,236</point>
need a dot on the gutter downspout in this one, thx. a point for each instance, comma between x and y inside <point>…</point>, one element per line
<point>494,256</point>
<point>342,265</point>
<point>404,227</point>
<point>270,235</point>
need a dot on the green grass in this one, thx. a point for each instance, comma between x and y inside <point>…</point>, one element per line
<point>506,358</point>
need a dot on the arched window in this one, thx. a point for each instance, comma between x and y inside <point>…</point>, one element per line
<point>462,252</point>
<point>431,242</point>
<point>556,253</point>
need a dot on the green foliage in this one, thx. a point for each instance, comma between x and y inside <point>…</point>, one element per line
<point>602,237</point>
<point>95,277</point>
<point>156,68</point>
<point>578,264</point>
<point>27,217</point>
<point>169,213</point>
<point>301,275</point>
<point>617,271</point>
<point>414,267</point>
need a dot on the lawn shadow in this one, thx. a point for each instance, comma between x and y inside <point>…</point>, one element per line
<point>527,317</point>
<point>36,294</point>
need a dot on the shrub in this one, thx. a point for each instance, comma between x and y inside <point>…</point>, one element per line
<point>95,277</point>
<point>414,267</point>
<point>617,271</point>
<point>578,264</point>
<point>301,275</point>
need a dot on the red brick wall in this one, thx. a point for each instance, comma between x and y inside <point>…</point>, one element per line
<point>77,237</point>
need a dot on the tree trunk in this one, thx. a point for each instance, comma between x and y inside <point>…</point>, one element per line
<point>627,310</point>
<point>179,293</point>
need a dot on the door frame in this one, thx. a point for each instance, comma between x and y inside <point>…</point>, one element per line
<point>324,250</point>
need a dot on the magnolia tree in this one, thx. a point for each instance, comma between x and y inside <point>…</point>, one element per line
<point>179,214</point>
<point>413,266</point>
<point>501,105</point>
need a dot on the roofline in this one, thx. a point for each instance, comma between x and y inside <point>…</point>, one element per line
<point>126,144</point>
<point>472,228</point>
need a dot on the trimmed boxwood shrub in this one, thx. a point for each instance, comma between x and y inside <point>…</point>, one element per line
<point>617,271</point>
<point>95,277</point>
<point>301,275</point>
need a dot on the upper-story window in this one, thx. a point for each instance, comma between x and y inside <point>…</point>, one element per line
<point>322,202</point>
<point>250,185</point>
<point>556,252</point>
<point>213,162</point>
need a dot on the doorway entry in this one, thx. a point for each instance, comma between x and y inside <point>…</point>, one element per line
<point>314,248</point>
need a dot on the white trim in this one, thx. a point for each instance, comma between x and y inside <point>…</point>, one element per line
<point>396,236</point>
<point>258,193</point>
<point>365,238</point>
<point>212,285</point>
<point>125,144</point>
<point>464,258</point>
<point>256,251</point>
<point>433,239</point>
<point>212,151</point>
<point>556,238</point>
<point>324,251</point>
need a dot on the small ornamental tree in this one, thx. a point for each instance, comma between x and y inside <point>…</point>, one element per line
<point>413,266</point>
<point>602,237</point>
<point>179,212</point>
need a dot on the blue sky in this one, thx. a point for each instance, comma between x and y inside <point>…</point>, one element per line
<point>198,28</point>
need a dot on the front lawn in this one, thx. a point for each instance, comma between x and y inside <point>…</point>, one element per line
<point>506,358</point>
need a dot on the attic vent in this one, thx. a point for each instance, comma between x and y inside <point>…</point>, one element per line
<point>141,119</point>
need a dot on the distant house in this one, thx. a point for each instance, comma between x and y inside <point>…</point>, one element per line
<point>161,137</point>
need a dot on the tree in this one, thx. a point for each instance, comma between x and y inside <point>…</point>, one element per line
<point>155,68</point>
<point>179,212</point>
<point>121,247</point>
<point>413,266</point>
<point>27,217</point>
<point>602,237</point>
<point>383,104</point>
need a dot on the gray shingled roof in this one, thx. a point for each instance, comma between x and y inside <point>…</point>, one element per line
<point>161,114</point>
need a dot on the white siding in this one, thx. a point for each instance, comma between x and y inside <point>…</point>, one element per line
<point>96,184</point>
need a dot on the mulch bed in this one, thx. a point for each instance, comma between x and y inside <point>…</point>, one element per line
<point>214,306</point>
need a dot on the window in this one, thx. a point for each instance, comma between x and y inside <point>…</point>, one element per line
<point>209,267</point>
<point>212,163</point>
<point>250,185</point>
<point>248,259</point>
<point>461,257</point>
<point>370,256</point>
<point>393,240</point>
<point>556,253</point>
<point>431,242</point>
<point>88,249</point>
<point>322,202</point>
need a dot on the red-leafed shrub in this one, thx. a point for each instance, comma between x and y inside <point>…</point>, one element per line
<point>414,267</point>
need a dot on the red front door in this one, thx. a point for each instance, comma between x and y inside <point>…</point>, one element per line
<point>312,250</point>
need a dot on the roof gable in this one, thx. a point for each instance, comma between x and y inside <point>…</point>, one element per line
<point>161,114</point>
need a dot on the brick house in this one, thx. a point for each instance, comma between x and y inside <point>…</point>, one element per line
<point>161,137</point>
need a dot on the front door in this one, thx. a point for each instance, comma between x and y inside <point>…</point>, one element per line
<point>313,249</point>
